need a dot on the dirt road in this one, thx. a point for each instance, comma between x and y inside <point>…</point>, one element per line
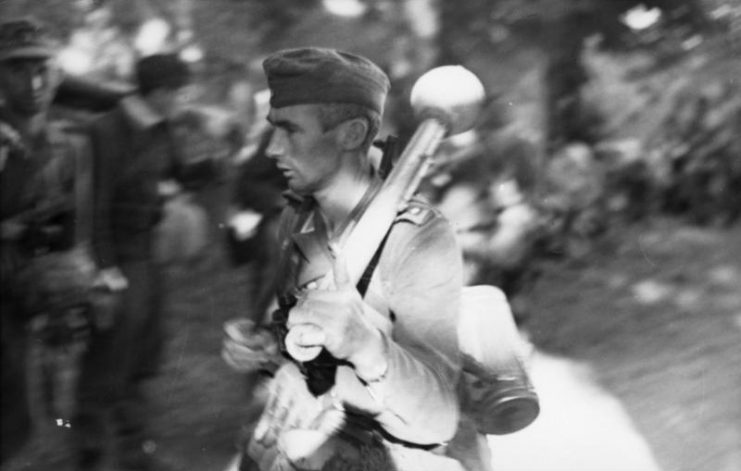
<point>639,363</point>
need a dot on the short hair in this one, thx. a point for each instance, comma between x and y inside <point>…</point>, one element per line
<point>332,115</point>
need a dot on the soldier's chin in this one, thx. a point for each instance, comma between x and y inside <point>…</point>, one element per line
<point>295,187</point>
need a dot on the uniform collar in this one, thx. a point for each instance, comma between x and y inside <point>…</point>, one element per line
<point>294,198</point>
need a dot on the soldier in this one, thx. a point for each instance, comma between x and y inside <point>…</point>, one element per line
<point>134,167</point>
<point>390,365</point>
<point>37,169</point>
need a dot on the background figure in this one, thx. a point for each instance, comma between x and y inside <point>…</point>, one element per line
<point>195,212</point>
<point>486,186</point>
<point>134,166</point>
<point>198,150</point>
<point>38,164</point>
<point>252,238</point>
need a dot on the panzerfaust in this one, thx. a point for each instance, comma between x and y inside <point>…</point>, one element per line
<point>448,101</point>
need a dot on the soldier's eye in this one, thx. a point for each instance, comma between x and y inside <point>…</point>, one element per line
<point>16,66</point>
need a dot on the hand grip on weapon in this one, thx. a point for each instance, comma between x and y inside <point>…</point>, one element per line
<point>448,99</point>
<point>304,341</point>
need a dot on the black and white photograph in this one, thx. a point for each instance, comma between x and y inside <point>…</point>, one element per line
<point>370,235</point>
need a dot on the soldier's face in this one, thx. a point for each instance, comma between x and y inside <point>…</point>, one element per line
<point>28,85</point>
<point>308,156</point>
<point>168,102</point>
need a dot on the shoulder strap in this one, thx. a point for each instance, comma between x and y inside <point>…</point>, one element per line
<point>365,279</point>
<point>416,213</point>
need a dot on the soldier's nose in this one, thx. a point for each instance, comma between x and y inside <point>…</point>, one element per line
<point>276,146</point>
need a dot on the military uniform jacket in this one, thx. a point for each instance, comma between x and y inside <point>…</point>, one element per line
<point>416,288</point>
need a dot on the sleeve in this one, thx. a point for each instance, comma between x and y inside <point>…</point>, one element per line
<point>416,399</point>
<point>104,170</point>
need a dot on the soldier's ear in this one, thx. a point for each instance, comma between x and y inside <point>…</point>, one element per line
<point>352,133</point>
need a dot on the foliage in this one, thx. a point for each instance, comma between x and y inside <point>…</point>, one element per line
<point>233,33</point>
<point>495,21</point>
<point>61,16</point>
<point>699,145</point>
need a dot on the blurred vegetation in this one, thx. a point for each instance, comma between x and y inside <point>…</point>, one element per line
<point>630,123</point>
<point>655,106</point>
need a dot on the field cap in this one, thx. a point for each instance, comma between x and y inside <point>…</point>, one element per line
<point>164,70</point>
<point>25,38</point>
<point>318,75</point>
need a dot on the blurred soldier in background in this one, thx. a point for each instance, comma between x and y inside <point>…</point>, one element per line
<point>134,169</point>
<point>193,217</point>
<point>576,203</point>
<point>198,149</point>
<point>253,236</point>
<point>38,165</point>
<point>254,208</point>
<point>486,186</point>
